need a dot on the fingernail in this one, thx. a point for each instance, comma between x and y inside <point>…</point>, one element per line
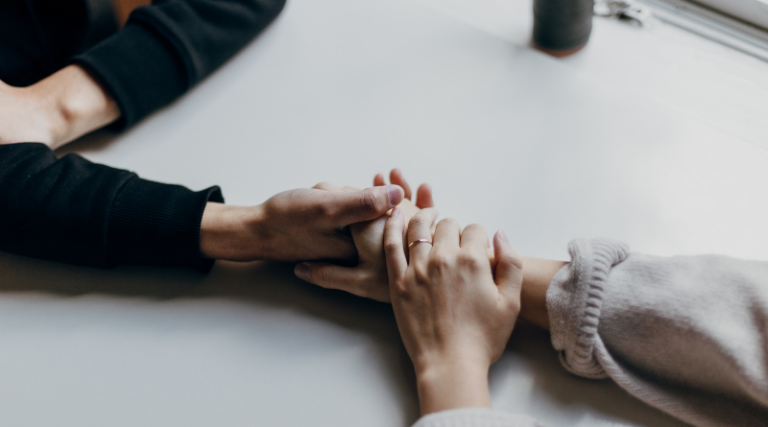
<point>395,212</point>
<point>395,194</point>
<point>302,271</point>
<point>503,236</point>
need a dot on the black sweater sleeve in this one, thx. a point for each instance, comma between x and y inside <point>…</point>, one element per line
<point>168,47</point>
<point>75,211</point>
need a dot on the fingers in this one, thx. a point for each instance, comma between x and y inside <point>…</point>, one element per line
<point>394,248</point>
<point>330,187</point>
<point>365,205</point>
<point>424,197</point>
<point>423,194</point>
<point>396,178</point>
<point>322,274</point>
<point>332,276</point>
<point>419,228</point>
<point>447,234</point>
<point>326,187</point>
<point>474,238</point>
<point>509,269</point>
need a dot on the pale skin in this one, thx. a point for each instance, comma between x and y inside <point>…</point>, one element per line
<point>455,310</point>
<point>369,279</point>
<point>456,301</point>
<point>56,110</point>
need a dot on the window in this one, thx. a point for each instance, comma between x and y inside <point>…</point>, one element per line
<point>740,24</point>
<point>752,11</point>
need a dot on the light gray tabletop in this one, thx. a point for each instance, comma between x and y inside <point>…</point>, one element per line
<point>337,91</point>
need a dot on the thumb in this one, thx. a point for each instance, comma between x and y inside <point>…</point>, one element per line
<point>366,205</point>
<point>509,270</point>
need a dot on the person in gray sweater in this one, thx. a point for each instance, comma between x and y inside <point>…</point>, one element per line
<point>687,334</point>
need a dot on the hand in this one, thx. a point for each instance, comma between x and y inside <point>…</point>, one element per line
<point>302,224</point>
<point>368,278</point>
<point>424,193</point>
<point>455,309</point>
<point>55,110</point>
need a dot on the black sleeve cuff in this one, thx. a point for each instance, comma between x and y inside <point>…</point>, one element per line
<point>158,224</point>
<point>139,68</point>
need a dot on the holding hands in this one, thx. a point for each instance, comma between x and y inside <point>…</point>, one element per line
<point>455,300</point>
<point>368,278</point>
<point>455,303</point>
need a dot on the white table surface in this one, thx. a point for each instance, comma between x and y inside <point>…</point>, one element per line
<point>336,91</point>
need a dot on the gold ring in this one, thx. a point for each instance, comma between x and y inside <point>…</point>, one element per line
<point>419,241</point>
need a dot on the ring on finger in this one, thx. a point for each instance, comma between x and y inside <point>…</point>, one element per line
<point>419,241</point>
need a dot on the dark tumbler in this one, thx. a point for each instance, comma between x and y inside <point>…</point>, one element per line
<point>562,27</point>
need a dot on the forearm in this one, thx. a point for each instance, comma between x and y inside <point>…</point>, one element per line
<point>226,232</point>
<point>70,104</point>
<point>71,210</point>
<point>44,212</point>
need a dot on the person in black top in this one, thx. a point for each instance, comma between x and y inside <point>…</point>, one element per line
<point>66,70</point>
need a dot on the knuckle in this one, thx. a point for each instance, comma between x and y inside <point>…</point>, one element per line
<point>392,246</point>
<point>325,209</point>
<point>475,228</point>
<point>321,277</point>
<point>470,260</point>
<point>418,221</point>
<point>370,202</point>
<point>322,186</point>
<point>440,262</point>
<point>362,279</point>
<point>422,274</point>
<point>399,290</point>
<point>515,260</point>
<point>449,222</point>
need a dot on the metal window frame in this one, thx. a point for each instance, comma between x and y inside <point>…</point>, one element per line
<point>713,25</point>
<point>754,12</point>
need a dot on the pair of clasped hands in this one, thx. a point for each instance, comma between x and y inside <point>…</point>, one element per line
<point>455,301</point>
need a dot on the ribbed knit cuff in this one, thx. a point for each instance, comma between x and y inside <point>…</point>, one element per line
<point>575,299</point>
<point>475,417</point>
<point>139,69</point>
<point>158,224</point>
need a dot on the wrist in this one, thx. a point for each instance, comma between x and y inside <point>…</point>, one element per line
<point>227,232</point>
<point>537,275</point>
<point>451,385</point>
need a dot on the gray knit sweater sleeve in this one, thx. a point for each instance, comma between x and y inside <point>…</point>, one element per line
<point>475,417</point>
<point>686,334</point>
